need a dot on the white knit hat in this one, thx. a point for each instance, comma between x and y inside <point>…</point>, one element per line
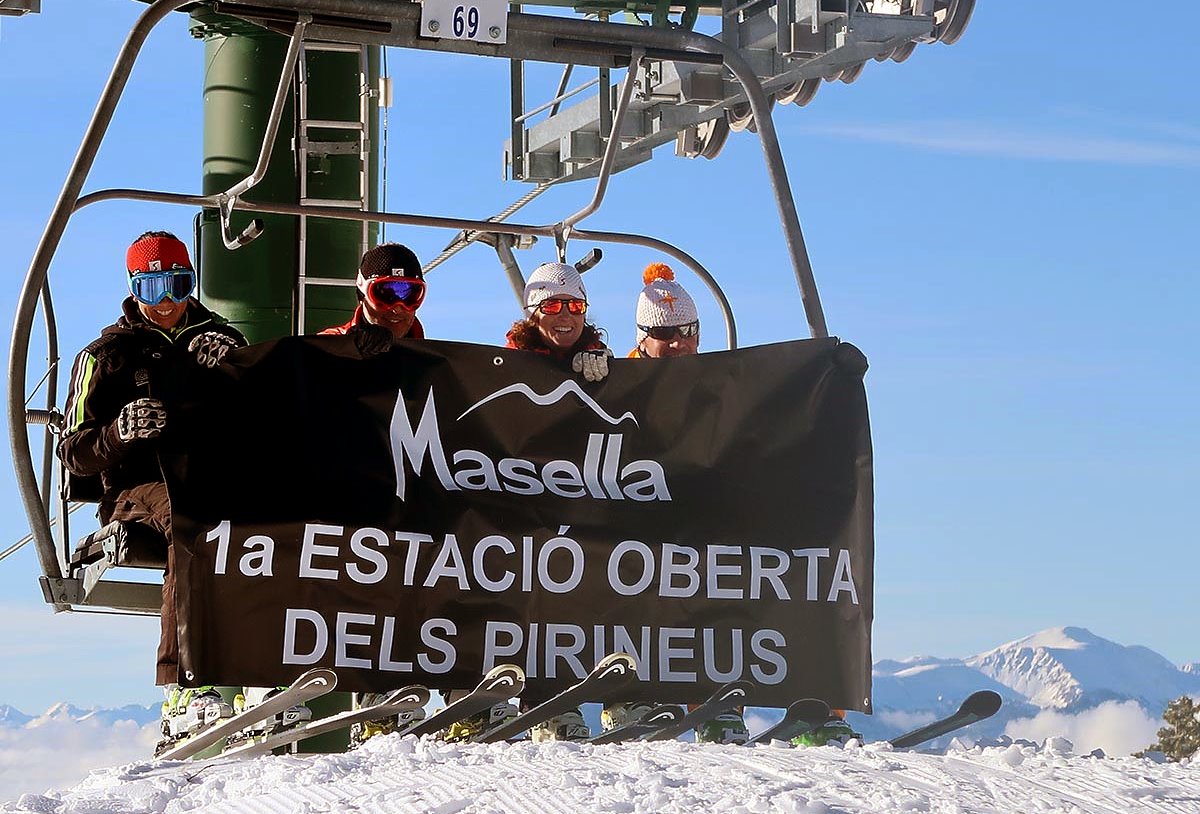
<point>553,280</point>
<point>663,302</point>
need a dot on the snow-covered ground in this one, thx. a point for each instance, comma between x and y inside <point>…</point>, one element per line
<point>394,774</point>
<point>1103,695</point>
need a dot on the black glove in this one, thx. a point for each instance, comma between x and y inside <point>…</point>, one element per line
<point>144,418</point>
<point>370,339</point>
<point>210,347</point>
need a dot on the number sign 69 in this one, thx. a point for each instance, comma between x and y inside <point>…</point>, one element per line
<point>478,20</point>
<point>466,21</point>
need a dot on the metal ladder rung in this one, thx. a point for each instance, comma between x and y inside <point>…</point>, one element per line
<point>333,147</point>
<point>336,47</point>
<point>338,202</point>
<point>332,124</point>
<point>334,281</point>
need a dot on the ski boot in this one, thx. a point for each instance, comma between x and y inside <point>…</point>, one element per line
<point>475,725</point>
<point>835,730</point>
<point>250,697</point>
<point>569,726</point>
<point>728,727</point>
<point>361,732</point>
<point>186,711</point>
<point>624,712</point>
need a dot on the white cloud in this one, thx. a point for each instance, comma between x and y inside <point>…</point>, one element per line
<point>1119,728</point>
<point>58,754</point>
<point>904,721</point>
<point>967,138</point>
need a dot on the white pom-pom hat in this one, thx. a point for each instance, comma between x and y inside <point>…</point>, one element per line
<point>663,302</point>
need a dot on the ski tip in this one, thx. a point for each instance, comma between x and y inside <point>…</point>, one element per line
<point>416,695</point>
<point>317,676</point>
<point>663,716</point>
<point>735,689</point>
<point>504,675</point>
<point>616,664</point>
<point>809,709</point>
<point>982,704</point>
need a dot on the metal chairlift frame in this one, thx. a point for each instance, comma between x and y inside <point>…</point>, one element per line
<point>373,22</point>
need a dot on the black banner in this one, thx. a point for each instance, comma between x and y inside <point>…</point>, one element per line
<point>423,515</point>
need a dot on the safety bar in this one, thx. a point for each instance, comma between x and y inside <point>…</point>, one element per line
<point>437,222</point>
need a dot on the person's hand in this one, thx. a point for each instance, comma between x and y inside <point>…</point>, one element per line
<point>210,348</point>
<point>141,419</point>
<point>370,339</point>
<point>593,364</point>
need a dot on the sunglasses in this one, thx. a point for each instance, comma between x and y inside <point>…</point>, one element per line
<point>153,287</point>
<point>667,333</point>
<point>386,293</point>
<point>553,307</point>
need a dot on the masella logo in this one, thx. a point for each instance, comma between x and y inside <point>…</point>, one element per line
<point>600,474</point>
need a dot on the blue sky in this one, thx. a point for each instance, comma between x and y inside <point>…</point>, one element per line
<point>1003,226</point>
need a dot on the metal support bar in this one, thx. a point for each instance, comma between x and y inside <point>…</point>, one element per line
<point>563,232</point>
<point>562,83</point>
<point>228,199</point>
<point>562,96</point>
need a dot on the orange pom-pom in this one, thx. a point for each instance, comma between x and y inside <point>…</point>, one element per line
<point>657,271</point>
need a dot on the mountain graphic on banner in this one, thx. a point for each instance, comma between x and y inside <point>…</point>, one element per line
<point>553,397</point>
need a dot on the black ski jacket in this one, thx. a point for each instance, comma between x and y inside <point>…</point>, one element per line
<point>119,367</point>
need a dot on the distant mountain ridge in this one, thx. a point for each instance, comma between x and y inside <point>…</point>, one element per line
<point>1065,669</point>
<point>62,713</point>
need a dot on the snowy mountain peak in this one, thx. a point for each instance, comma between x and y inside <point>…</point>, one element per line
<point>1061,638</point>
<point>1070,667</point>
<point>63,712</point>
<point>60,711</point>
<point>11,716</point>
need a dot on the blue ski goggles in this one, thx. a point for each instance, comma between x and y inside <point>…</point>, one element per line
<point>153,287</point>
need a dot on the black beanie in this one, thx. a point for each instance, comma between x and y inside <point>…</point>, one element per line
<point>390,260</point>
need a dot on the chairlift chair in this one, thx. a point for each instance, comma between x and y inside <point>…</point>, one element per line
<point>669,83</point>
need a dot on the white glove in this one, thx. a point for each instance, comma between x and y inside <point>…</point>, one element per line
<point>593,364</point>
<point>210,347</point>
<point>140,419</point>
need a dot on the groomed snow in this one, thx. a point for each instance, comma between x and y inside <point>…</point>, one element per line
<point>393,775</point>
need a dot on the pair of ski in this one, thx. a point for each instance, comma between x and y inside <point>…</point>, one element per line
<point>609,677</point>
<point>808,714</point>
<point>605,683</point>
<point>310,685</point>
